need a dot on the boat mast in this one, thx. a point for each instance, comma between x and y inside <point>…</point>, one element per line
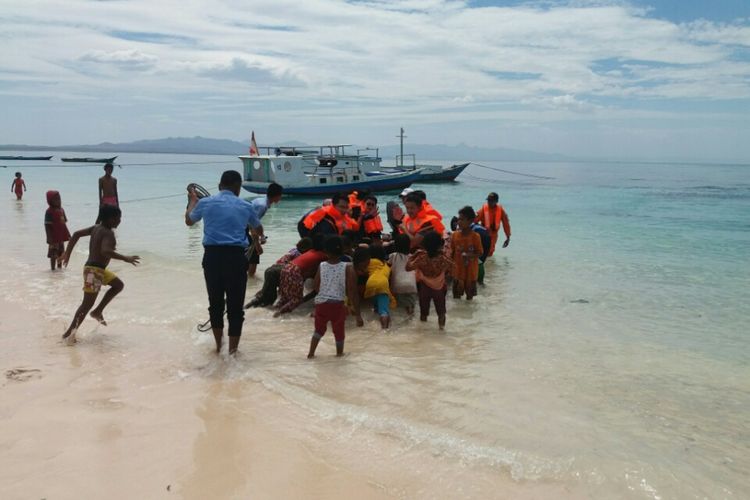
<point>401,136</point>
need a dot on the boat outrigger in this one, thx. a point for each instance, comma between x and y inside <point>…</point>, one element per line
<point>89,160</point>
<point>320,170</point>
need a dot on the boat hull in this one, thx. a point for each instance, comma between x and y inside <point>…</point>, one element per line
<point>448,174</point>
<point>89,160</point>
<point>374,182</point>
<point>25,157</point>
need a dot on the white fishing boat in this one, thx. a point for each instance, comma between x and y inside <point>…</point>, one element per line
<point>320,170</point>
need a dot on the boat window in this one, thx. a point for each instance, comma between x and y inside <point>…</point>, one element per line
<point>256,165</point>
<point>339,179</point>
<point>322,180</point>
<point>356,178</point>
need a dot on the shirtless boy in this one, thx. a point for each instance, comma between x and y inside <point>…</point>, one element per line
<point>95,273</point>
<point>108,189</point>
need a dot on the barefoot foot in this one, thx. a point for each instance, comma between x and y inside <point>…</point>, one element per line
<point>70,338</point>
<point>98,316</point>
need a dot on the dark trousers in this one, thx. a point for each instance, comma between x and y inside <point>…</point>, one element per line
<point>271,279</point>
<point>225,270</point>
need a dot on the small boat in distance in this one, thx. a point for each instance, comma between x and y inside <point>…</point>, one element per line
<point>25,157</point>
<point>319,171</point>
<point>89,160</point>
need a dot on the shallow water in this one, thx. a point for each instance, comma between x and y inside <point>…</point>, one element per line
<point>608,350</point>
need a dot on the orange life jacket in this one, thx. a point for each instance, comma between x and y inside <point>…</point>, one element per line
<point>353,201</point>
<point>423,218</point>
<point>429,209</point>
<point>342,222</point>
<point>492,223</point>
<point>373,225</point>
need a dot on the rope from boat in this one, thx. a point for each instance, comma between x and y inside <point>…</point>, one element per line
<point>478,179</point>
<point>512,172</point>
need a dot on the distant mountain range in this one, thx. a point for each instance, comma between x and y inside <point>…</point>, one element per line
<point>203,145</point>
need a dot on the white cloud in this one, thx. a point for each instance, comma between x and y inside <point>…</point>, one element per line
<point>361,58</point>
<point>126,59</point>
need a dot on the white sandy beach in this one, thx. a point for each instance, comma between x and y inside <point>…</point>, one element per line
<point>96,421</point>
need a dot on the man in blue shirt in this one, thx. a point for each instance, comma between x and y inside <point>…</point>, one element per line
<point>261,205</point>
<point>225,219</point>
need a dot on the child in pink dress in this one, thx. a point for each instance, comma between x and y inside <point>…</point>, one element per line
<point>55,225</point>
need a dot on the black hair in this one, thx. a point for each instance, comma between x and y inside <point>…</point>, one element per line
<point>468,213</point>
<point>108,165</point>
<point>109,212</point>
<point>364,194</point>
<point>454,223</point>
<point>372,197</point>
<point>493,196</point>
<point>230,178</point>
<point>338,197</point>
<point>432,243</point>
<point>18,174</point>
<point>333,246</point>
<point>414,198</point>
<point>361,254</point>
<point>318,241</point>
<point>304,244</point>
<point>378,252</point>
<point>402,243</point>
<point>274,190</point>
<point>422,195</point>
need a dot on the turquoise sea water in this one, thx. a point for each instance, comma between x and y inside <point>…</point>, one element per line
<point>609,348</point>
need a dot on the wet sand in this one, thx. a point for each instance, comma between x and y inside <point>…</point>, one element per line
<point>98,420</point>
<point>78,422</point>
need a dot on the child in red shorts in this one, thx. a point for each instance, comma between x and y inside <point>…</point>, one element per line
<point>335,281</point>
<point>56,228</point>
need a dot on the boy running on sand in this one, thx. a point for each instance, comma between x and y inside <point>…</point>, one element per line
<point>95,273</point>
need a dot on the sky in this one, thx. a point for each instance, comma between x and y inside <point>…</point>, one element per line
<point>640,79</point>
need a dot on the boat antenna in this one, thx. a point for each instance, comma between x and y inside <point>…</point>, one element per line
<point>402,137</point>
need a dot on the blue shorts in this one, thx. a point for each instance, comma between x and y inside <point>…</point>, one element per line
<point>382,304</point>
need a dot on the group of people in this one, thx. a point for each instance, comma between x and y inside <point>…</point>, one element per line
<point>344,248</point>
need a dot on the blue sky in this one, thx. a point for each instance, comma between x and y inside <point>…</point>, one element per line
<point>618,79</point>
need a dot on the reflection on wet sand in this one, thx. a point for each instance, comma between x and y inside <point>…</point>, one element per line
<point>218,454</point>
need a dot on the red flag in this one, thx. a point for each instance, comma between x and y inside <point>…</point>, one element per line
<point>253,146</point>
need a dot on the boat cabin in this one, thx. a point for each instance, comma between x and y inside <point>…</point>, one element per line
<point>307,166</point>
